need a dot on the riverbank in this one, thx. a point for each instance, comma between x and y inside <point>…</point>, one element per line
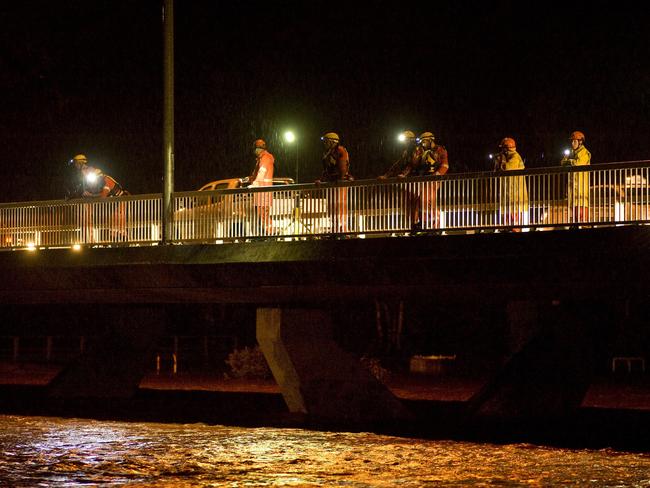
<point>614,413</point>
<point>613,391</point>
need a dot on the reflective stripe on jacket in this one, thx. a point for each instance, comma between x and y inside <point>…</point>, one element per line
<point>263,173</point>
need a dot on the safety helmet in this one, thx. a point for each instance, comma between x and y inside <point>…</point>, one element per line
<point>577,135</point>
<point>426,135</point>
<point>330,136</point>
<point>259,144</point>
<point>508,143</point>
<point>79,158</point>
<point>407,134</point>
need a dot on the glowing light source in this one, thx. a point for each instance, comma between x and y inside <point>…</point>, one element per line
<point>31,246</point>
<point>91,177</point>
<point>567,152</point>
<point>401,137</point>
<point>290,137</point>
<point>76,247</point>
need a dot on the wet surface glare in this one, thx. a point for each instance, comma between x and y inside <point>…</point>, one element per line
<point>39,451</point>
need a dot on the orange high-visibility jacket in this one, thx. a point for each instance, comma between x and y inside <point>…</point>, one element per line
<point>263,173</point>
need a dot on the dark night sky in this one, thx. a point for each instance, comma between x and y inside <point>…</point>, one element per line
<point>86,76</point>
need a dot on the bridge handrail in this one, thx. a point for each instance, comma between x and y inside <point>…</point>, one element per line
<point>599,194</point>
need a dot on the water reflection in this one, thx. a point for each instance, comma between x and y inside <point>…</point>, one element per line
<point>71,452</point>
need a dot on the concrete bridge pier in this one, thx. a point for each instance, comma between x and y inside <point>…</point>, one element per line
<point>549,368</point>
<point>317,378</point>
<point>114,361</point>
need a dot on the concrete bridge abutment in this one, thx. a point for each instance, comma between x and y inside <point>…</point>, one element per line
<point>317,378</point>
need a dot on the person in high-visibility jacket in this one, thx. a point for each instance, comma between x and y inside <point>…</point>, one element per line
<point>93,182</point>
<point>408,158</point>
<point>578,183</point>
<point>262,176</point>
<point>430,159</point>
<point>513,192</point>
<point>336,167</point>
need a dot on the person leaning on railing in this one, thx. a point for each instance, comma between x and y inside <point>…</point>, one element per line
<point>513,193</point>
<point>408,157</point>
<point>578,185</point>
<point>92,182</point>
<point>430,159</point>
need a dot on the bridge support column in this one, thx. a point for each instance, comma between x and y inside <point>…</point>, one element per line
<point>113,362</point>
<point>549,368</point>
<point>316,377</point>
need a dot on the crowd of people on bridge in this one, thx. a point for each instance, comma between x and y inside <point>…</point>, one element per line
<point>421,156</point>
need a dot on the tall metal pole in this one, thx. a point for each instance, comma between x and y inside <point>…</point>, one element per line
<point>168,120</point>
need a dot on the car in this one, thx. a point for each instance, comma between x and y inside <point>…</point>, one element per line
<point>225,215</point>
<point>234,183</point>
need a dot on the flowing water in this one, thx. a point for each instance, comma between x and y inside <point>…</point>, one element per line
<point>44,452</point>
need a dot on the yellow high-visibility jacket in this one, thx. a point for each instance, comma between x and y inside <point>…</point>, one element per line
<point>578,184</point>
<point>514,192</point>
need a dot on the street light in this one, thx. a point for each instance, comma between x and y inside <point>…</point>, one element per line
<point>290,138</point>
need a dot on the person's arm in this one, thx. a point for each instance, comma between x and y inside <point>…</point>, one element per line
<point>342,163</point>
<point>394,169</point>
<point>253,176</point>
<point>412,163</point>
<point>259,176</point>
<point>264,175</point>
<point>93,183</point>
<point>111,187</point>
<point>442,165</point>
<point>106,187</point>
<point>406,171</point>
<point>580,158</point>
<point>499,162</point>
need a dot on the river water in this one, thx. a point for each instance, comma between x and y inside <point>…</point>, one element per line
<point>44,451</point>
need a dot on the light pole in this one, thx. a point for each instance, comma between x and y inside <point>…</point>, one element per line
<point>168,122</point>
<point>290,138</point>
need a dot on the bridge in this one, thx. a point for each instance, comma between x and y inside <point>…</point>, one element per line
<point>564,280</point>
<point>549,198</point>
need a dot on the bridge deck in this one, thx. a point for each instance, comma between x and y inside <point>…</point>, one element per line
<point>573,263</point>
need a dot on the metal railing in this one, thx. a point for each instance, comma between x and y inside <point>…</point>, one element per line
<point>127,220</point>
<point>605,194</point>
